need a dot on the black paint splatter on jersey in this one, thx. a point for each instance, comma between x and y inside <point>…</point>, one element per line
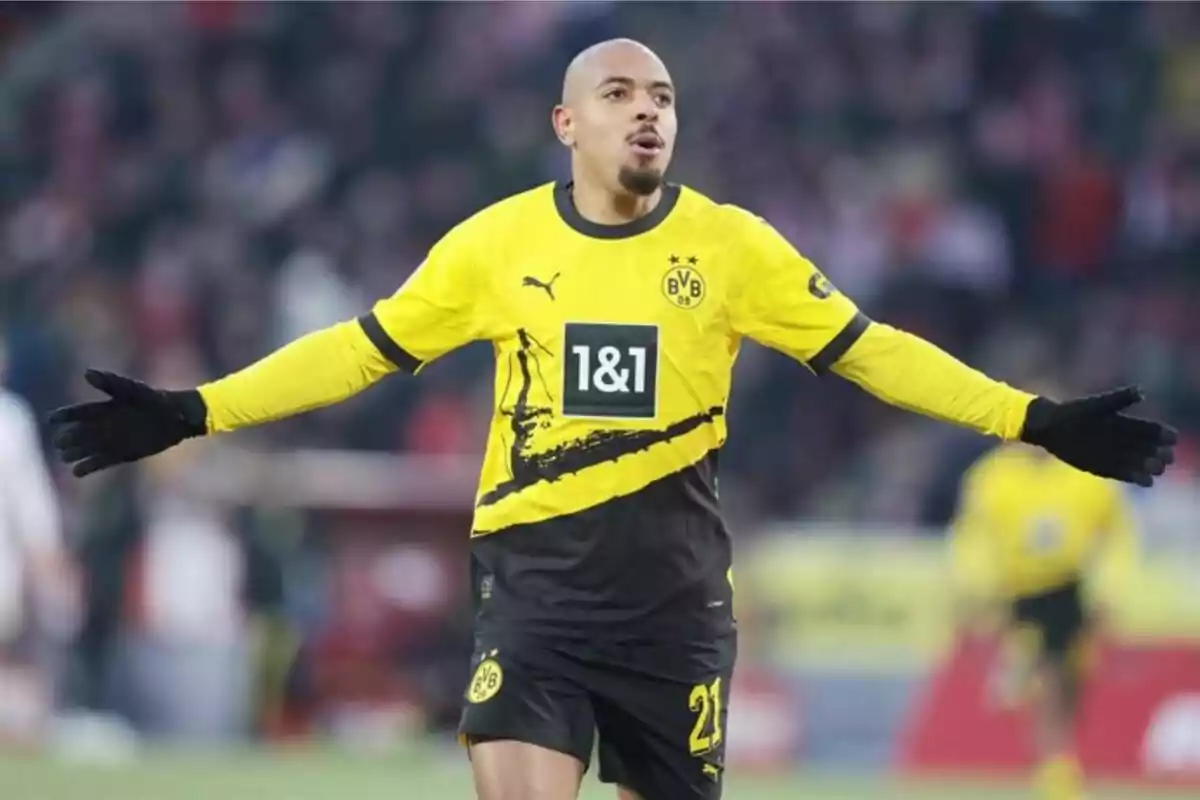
<point>596,448</point>
<point>525,418</point>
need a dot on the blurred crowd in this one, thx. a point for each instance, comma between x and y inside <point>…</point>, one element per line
<point>187,186</point>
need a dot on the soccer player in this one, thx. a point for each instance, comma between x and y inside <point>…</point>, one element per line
<point>1030,530</point>
<point>616,303</point>
<point>38,588</point>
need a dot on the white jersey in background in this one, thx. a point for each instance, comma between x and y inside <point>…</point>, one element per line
<point>30,525</point>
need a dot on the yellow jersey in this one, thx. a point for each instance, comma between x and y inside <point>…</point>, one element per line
<point>1029,523</point>
<point>614,353</point>
<point>597,509</point>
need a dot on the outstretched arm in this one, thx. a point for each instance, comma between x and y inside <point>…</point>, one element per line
<point>434,312</point>
<point>911,373</point>
<point>136,421</point>
<point>1090,433</point>
<point>316,370</point>
<point>786,303</point>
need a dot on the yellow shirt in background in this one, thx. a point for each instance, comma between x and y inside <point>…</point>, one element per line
<point>1029,523</point>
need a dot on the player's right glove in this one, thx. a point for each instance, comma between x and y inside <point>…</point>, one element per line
<point>1092,434</point>
<point>135,422</point>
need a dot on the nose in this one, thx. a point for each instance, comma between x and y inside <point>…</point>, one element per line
<point>646,109</point>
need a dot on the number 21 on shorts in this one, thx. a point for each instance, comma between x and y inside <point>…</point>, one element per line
<point>705,703</point>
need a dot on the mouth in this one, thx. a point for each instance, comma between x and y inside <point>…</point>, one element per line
<point>646,143</point>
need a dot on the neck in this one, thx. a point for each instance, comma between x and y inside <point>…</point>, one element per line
<point>598,204</point>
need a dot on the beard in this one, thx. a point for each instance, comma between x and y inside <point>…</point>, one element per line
<point>642,181</point>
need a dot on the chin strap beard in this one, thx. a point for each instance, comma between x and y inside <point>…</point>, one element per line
<point>640,182</point>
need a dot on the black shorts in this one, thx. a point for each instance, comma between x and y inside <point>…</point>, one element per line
<point>1056,617</point>
<point>660,709</point>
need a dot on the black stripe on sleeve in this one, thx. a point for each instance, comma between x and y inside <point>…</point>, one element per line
<point>837,347</point>
<point>393,352</point>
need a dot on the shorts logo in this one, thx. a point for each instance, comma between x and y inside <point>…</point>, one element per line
<point>486,683</point>
<point>683,284</point>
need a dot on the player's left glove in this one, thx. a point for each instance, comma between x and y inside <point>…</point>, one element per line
<point>1092,434</point>
<point>135,422</point>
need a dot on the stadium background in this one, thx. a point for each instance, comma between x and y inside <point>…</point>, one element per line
<point>186,186</point>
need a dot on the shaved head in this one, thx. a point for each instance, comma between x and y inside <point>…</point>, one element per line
<point>617,116</point>
<point>584,69</point>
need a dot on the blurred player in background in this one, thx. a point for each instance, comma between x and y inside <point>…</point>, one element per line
<point>616,303</point>
<point>37,584</point>
<point>1030,533</point>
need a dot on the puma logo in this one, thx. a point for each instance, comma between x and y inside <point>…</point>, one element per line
<point>549,287</point>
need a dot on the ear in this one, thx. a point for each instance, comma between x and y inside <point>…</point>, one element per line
<point>564,125</point>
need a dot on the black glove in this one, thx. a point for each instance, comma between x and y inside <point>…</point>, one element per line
<point>1093,435</point>
<point>137,421</point>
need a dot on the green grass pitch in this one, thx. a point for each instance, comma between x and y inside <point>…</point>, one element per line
<point>323,775</point>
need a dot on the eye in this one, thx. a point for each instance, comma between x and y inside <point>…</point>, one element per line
<point>664,100</point>
<point>615,93</point>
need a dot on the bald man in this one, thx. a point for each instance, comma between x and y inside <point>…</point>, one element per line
<point>600,565</point>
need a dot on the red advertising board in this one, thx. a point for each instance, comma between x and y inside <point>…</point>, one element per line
<point>1140,718</point>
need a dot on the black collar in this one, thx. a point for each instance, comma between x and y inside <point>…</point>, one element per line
<point>571,216</point>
